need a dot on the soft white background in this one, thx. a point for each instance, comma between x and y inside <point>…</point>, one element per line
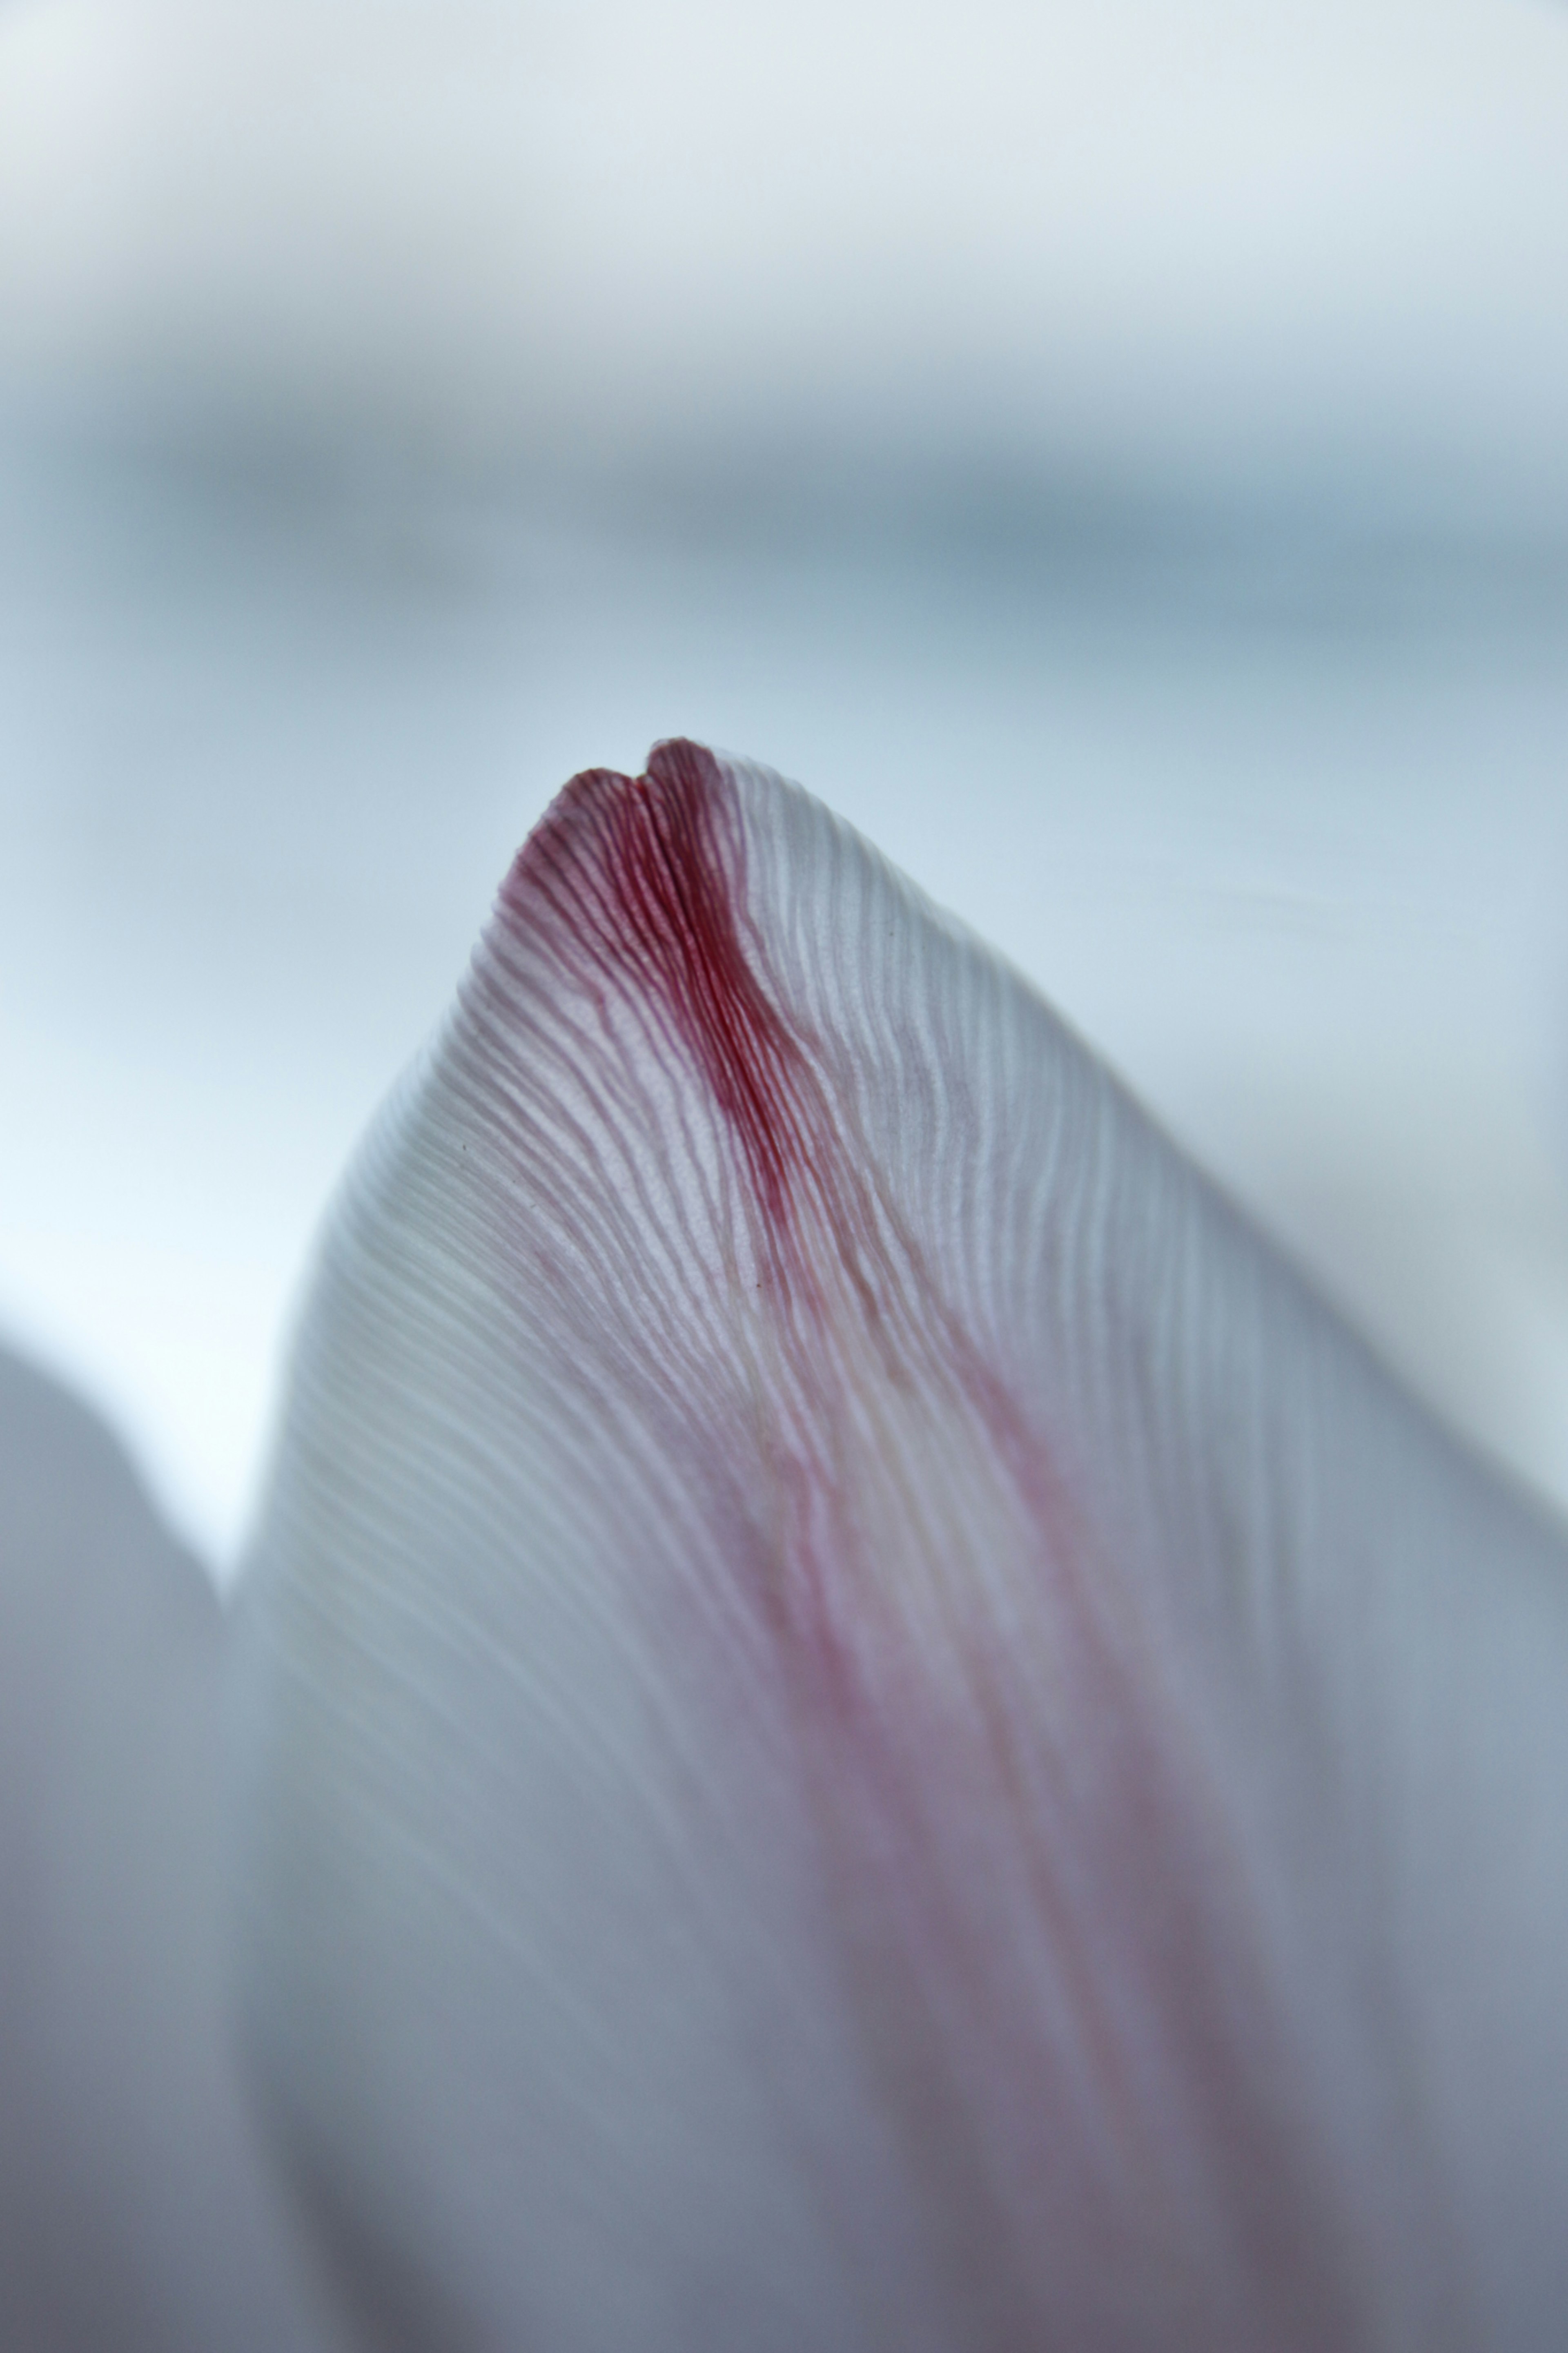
<point>1115,453</point>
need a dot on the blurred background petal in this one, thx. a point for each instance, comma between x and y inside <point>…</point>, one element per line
<point>138,2208</point>
<point>1114,454</point>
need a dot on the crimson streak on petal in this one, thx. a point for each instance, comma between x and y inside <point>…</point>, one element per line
<point>649,871</point>
<point>891,1509</point>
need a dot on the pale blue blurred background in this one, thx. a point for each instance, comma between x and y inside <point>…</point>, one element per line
<point>1118,454</point>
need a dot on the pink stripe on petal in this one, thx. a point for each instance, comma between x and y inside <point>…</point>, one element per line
<point>845,1742</point>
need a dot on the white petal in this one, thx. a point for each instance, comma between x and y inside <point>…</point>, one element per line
<point>138,2210</point>
<point>864,1728</point>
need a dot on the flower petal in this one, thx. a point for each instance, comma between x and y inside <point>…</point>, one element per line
<point>139,2212</point>
<point>864,1727</point>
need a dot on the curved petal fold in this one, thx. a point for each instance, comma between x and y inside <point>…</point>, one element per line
<point>862,1726</point>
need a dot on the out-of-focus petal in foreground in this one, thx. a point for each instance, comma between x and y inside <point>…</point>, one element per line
<point>862,1726</point>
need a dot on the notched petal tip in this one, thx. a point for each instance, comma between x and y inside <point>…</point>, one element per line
<point>640,882</point>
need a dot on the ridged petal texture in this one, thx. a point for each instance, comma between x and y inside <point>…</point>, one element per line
<point>861,1726</point>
